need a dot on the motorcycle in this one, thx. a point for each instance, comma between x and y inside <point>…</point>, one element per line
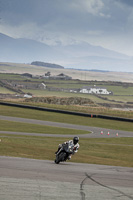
<point>64,152</point>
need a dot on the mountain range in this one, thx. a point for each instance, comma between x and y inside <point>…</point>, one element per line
<point>80,55</point>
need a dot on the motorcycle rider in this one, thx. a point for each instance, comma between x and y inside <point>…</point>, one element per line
<point>76,146</point>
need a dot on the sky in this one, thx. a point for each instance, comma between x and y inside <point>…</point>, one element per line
<point>106,23</point>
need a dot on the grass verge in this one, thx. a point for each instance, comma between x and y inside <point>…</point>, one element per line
<point>58,117</point>
<point>35,128</point>
<point>115,151</point>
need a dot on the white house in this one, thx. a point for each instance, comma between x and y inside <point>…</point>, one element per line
<point>27,96</point>
<point>94,90</point>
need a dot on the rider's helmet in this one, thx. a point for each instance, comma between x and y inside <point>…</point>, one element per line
<point>75,140</point>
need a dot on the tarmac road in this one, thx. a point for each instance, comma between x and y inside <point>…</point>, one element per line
<point>95,132</point>
<point>22,179</point>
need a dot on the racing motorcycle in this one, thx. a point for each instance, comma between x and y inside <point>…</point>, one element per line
<point>65,151</point>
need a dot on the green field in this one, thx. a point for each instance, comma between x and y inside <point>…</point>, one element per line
<point>8,76</point>
<point>116,152</point>
<point>34,128</point>
<point>120,90</point>
<point>6,91</point>
<point>122,98</point>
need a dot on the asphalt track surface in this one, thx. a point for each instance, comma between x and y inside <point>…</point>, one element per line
<point>22,179</point>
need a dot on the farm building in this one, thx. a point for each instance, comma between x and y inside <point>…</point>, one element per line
<point>61,77</point>
<point>94,90</point>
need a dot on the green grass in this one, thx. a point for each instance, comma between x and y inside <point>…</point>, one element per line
<point>6,91</point>
<point>115,152</point>
<point>119,90</point>
<point>58,117</point>
<point>109,152</point>
<point>45,93</point>
<point>121,98</point>
<point>8,76</point>
<point>35,128</point>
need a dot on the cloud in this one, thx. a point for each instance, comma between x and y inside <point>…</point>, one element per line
<point>92,6</point>
<point>99,22</point>
<point>127,2</point>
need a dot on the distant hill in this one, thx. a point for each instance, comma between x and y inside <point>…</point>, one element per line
<point>23,50</point>
<point>77,56</point>
<point>38,63</point>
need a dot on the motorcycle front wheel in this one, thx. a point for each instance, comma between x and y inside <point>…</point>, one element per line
<point>60,157</point>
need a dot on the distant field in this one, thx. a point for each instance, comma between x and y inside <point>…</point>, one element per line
<point>11,76</point>
<point>5,91</point>
<point>119,90</point>
<point>122,97</point>
<point>75,74</point>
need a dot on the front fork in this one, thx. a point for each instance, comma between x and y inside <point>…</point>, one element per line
<point>59,151</point>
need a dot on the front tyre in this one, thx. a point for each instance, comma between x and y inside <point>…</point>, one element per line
<point>56,161</point>
<point>60,157</point>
